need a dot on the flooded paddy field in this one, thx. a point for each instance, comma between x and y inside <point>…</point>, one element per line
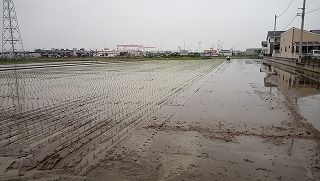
<point>66,118</point>
<point>156,120</point>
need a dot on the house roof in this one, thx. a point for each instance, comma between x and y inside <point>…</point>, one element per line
<point>315,31</point>
<point>210,51</point>
<point>277,33</point>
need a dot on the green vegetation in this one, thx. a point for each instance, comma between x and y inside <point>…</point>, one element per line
<point>48,60</point>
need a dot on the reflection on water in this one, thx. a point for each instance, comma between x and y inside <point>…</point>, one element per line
<point>304,85</point>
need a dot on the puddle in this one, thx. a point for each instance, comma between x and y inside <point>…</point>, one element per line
<point>309,109</point>
<point>303,85</point>
<point>232,93</point>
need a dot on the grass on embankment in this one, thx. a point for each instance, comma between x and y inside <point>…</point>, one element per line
<point>48,60</point>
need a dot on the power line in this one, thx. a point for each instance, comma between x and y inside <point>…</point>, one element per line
<point>310,2</point>
<point>315,7</point>
<point>286,8</point>
<point>313,10</point>
<point>292,16</point>
<point>290,23</point>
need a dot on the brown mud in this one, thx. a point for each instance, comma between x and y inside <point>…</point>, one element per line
<point>177,120</point>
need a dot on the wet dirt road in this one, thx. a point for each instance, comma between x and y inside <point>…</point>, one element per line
<point>229,125</point>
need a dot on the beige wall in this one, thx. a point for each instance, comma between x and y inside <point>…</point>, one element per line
<point>288,38</point>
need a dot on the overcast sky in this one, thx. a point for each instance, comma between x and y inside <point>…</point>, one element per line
<point>165,24</point>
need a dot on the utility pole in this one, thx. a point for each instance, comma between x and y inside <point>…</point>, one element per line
<point>274,35</point>
<point>301,35</point>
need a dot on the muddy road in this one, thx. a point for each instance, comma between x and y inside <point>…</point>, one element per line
<point>156,120</point>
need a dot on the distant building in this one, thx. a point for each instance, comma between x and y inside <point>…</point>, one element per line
<point>290,41</point>
<point>47,53</point>
<point>56,53</point>
<point>273,42</point>
<point>128,53</point>
<point>31,55</point>
<point>210,53</point>
<point>136,53</point>
<point>183,52</point>
<point>225,53</point>
<point>105,53</point>
<point>253,51</point>
<point>20,55</point>
<point>237,53</point>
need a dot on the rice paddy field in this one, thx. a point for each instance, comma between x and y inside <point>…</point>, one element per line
<point>67,117</point>
<point>158,120</point>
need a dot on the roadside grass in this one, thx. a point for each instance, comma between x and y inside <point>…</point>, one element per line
<point>105,59</point>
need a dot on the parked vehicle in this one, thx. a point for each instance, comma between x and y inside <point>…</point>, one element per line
<point>314,53</point>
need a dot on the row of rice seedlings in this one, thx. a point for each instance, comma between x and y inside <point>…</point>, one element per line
<point>118,102</point>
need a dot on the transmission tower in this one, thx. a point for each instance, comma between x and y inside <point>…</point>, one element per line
<point>12,46</point>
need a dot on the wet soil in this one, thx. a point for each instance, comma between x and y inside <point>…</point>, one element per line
<point>226,126</point>
<point>157,120</point>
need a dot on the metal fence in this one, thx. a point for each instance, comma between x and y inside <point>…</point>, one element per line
<point>311,61</point>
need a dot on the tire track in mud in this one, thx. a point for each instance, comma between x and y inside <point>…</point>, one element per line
<point>86,167</point>
<point>86,126</point>
<point>28,117</point>
<point>118,124</point>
